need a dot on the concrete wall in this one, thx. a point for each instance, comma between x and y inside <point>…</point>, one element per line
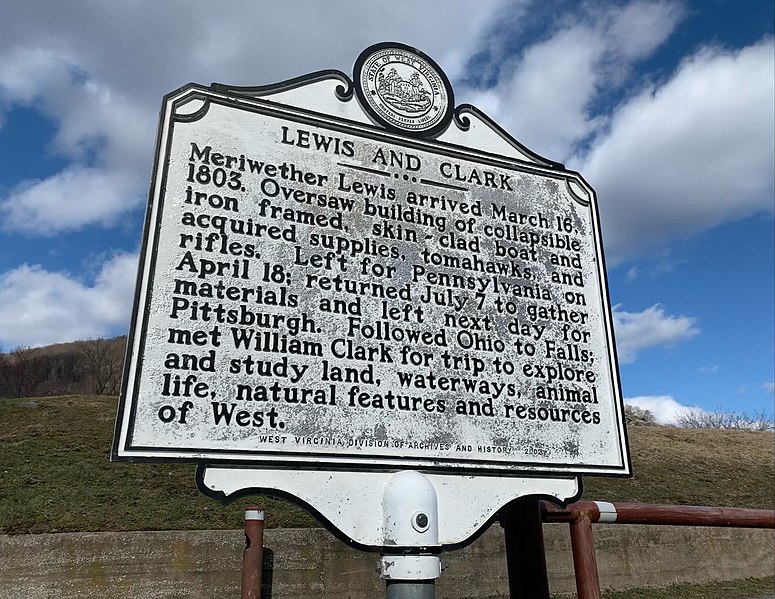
<point>307,563</point>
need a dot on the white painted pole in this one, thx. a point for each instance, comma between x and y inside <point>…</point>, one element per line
<point>411,525</point>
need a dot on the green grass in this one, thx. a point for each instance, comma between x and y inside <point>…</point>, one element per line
<point>55,475</point>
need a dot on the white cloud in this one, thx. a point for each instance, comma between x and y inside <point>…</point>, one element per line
<point>99,73</point>
<point>68,200</point>
<point>666,410</point>
<point>149,48</point>
<point>769,386</point>
<point>708,369</point>
<point>690,154</point>
<point>42,307</point>
<point>544,101</point>
<point>637,331</point>
<point>639,28</point>
<point>661,169</point>
<point>632,274</point>
<point>25,72</point>
<point>544,97</point>
<point>99,131</point>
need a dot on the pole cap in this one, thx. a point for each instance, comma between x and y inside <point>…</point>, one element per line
<point>253,512</point>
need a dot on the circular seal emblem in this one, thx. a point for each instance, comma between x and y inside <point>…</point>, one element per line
<point>403,89</point>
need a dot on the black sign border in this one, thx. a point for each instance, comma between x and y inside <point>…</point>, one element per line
<point>399,137</point>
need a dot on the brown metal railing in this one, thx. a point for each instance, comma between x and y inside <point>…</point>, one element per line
<point>522,522</point>
<point>253,556</point>
<point>581,515</point>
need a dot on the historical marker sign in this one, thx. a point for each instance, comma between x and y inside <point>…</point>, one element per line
<point>381,282</point>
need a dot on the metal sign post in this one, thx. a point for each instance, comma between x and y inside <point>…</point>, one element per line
<point>525,557</point>
<point>411,521</point>
<point>347,284</point>
<point>253,556</point>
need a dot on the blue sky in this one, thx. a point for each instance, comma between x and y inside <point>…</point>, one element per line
<point>666,108</point>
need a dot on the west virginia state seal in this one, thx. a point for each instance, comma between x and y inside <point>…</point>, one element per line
<point>403,89</point>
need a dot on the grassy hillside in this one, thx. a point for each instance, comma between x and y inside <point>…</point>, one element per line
<point>55,475</point>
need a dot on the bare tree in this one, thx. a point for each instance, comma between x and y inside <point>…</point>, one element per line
<point>103,363</point>
<point>727,420</point>
<point>635,416</point>
<point>20,372</point>
<point>5,376</point>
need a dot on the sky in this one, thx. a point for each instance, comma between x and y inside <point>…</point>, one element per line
<point>665,107</point>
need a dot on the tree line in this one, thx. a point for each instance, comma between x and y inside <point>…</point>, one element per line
<point>696,418</point>
<point>92,367</point>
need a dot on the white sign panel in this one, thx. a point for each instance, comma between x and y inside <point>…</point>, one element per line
<point>373,285</point>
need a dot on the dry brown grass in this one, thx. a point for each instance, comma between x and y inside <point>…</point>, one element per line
<point>694,467</point>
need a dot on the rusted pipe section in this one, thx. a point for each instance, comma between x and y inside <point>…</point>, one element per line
<point>253,558</point>
<point>584,561</point>
<point>674,515</point>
